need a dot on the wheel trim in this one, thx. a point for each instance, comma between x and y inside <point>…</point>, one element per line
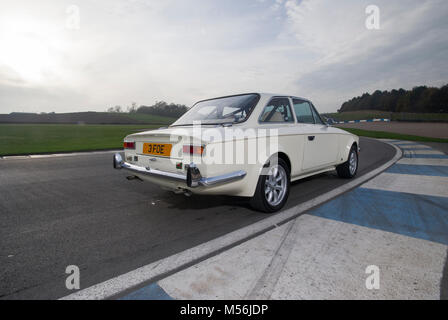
<point>353,163</point>
<point>275,185</point>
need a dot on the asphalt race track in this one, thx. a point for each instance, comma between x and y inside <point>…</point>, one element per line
<point>78,210</point>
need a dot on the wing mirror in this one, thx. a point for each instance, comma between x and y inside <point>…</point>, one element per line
<point>329,121</point>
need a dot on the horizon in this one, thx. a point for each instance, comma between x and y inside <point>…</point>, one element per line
<point>63,57</point>
<point>124,108</point>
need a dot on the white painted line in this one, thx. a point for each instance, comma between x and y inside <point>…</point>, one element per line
<point>412,146</point>
<point>430,151</point>
<point>424,161</point>
<point>37,156</point>
<point>181,260</point>
<point>389,140</point>
<point>382,120</point>
<point>15,157</point>
<point>315,258</point>
<point>53,155</point>
<point>82,153</point>
<point>406,142</point>
<point>410,183</point>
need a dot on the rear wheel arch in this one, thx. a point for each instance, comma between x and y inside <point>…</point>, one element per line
<point>258,200</point>
<point>349,168</point>
<point>280,155</point>
<point>348,144</point>
<point>285,158</point>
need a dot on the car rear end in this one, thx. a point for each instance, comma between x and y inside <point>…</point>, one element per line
<point>174,159</point>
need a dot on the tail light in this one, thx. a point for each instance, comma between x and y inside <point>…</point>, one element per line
<point>129,145</point>
<point>195,150</point>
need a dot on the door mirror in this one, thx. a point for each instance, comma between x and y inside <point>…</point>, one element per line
<point>329,121</point>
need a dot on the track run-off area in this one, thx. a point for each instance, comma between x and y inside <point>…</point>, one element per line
<point>77,210</point>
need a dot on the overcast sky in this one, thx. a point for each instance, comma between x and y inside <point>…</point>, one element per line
<point>120,51</point>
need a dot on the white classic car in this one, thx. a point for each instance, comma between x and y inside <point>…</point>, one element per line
<point>250,145</point>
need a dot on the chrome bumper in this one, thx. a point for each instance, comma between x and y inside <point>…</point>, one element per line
<point>192,179</point>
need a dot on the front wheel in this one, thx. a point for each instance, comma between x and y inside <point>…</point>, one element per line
<point>272,189</point>
<point>349,168</point>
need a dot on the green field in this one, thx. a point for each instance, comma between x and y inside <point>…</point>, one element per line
<point>391,135</point>
<point>16,139</point>
<point>395,116</point>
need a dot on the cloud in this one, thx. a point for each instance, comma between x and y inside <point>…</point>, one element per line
<point>348,59</point>
<point>182,51</point>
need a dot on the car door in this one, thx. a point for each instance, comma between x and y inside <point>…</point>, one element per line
<point>321,145</point>
<point>278,116</point>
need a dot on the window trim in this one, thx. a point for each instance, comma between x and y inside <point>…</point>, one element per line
<point>318,114</point>
<point>229,96</point>
<point>310,105</point>
<point>276,122</point>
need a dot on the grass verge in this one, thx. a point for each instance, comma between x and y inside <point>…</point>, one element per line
<point>17,139</point>
<point>392,135</point>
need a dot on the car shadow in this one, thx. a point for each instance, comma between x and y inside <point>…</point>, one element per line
<point>203,202</point>
<point>230,203</point>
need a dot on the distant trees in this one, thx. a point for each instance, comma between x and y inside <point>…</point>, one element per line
<point>419,100</point>
<point>116,109</point>
<point>132,108</point>
<point>162,108</point>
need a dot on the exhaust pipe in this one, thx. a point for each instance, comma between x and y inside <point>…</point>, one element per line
<point>134,178</point>
<point>185,192</point>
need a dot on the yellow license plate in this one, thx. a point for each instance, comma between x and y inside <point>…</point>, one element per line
<point>157,149</point>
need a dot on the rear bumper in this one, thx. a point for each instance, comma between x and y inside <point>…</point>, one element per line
<point>192,179</point>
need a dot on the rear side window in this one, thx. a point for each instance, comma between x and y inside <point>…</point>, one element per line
<point>278,110</point>
<point>303,111</point>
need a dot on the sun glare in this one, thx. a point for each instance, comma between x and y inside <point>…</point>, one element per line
<point>30,48</point>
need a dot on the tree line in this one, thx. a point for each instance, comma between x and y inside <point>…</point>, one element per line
<point>421,99</point>
<point>160,108</point>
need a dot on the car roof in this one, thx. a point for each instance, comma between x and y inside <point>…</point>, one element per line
<point>262,94</point>
<point>267,94</point>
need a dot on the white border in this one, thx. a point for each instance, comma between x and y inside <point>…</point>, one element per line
<point>53,155</point>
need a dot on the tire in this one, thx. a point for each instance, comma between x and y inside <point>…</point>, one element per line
<point>270,196</point>
<point>348,169</point>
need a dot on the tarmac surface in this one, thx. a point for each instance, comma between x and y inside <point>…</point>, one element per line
<point>423,129</point>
